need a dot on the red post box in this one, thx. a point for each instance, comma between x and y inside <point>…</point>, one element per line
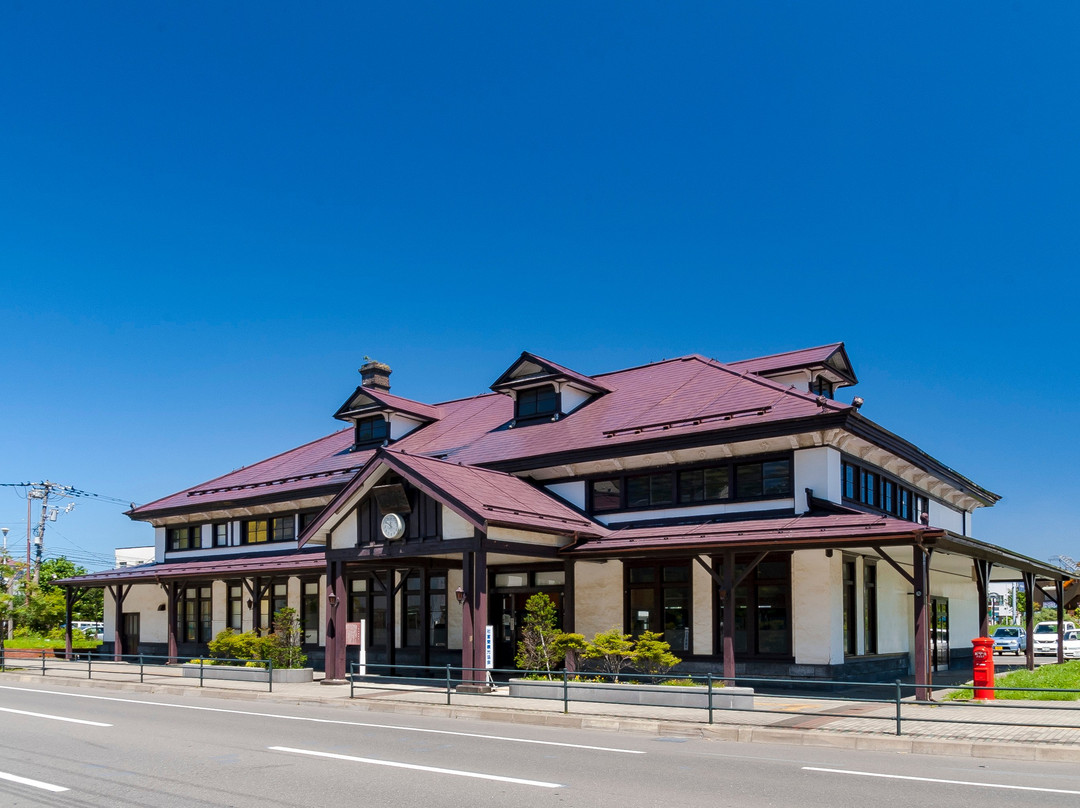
<point>984,667</point>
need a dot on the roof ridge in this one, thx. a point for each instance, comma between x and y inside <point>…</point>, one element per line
<point>839,344</point>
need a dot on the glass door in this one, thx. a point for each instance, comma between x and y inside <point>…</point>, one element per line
<point>939,634</point>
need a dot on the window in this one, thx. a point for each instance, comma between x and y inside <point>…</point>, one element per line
<point>413,597</point>
<point>881,493</point>
<point>821,386</point>
<point>869,607</point>
<point>187,537</point>
<point>850,636</point>
<point>437,634</point>
<point>767,479</point>
<point>195,613</point>
<point>762,608</point>
<point>234,610</point>
<point>276,599</point>
<point>658,598</point>
<point>536,402</point>
<point>371,430</point>
<point>306,519</point>
<point>278,528</point>
<point>221,534</point>
<point>309,612</point>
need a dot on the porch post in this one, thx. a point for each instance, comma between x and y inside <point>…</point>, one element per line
<point>922,634</point>
<point>256,606</point>
<point>568,596</point>
<point>118,594</point>
<point>480,611</point>
<point>1029,617</point>
<point>171,589</point>
<point>336,667</point>
<point>1059,596</point>
<point>982,583</point>
<point>467,576</point>
<point>69,604</point>
<point>727,599</point>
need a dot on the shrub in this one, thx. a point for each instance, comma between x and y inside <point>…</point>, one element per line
<point>613,649</point>
<point>653,655</point>
<point>539,648</point>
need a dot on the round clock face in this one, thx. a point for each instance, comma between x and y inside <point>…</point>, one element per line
<point>393,526</point>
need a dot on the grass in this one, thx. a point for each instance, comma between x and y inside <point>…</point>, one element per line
<point>1061,678</point>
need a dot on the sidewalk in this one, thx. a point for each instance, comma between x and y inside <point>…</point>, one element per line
<point>1036,731</point>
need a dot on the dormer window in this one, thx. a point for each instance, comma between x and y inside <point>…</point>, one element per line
<point>536,402</point>
<point>371,430</point>
<point>821,386</point>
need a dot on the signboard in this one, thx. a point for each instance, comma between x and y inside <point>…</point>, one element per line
<point>354,635</point>
<point>489,647</point>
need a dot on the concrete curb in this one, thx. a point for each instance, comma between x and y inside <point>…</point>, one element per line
<point>920,745</point>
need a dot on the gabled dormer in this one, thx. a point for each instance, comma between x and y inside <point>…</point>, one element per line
<point>544,391</point>
<point>378,417</point>
<point>819,371</point>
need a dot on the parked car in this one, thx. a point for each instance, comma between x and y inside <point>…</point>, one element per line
<point>1044,639</point>
<point>90,629</point>
<point>1072,645</point>
<point>1009,638</point>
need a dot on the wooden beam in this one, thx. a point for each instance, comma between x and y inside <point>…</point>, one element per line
<point>892,563</point>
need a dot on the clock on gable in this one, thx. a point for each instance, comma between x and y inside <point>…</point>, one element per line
<point>392,526</point>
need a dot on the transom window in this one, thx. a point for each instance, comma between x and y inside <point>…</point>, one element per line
<point>536,402</point>
<point>278,528</point>
<point>768,479</point>
<point>194,614</point>
<point>371,430</point>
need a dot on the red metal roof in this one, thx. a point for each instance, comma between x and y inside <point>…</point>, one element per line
<point>678,397</point>
<point>387,401</point>
<point>218,568</point>
<point>804,357</point>
<point>863,527</point>
<point>553,370</point>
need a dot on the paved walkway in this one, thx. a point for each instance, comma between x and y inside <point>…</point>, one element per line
<point>1018,730</point>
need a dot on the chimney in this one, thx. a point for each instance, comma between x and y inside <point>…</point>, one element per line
<point>375,375</point>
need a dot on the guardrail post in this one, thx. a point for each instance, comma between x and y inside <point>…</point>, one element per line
<point>202,662</point>
<point>352,680</point>
<point>89,665</point>
<point>710,699</point>
<point>447,684</point>
<point>43,662</point>
<point>270,675</point>
<point>565,692</point>
<point>140,669</point>
<point>898,698</point>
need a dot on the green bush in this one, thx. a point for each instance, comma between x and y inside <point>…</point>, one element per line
<point>282,648</point>
<point>652,655</point>
<point>613,649</point>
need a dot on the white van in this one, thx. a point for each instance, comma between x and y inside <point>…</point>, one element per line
<point>96,630</point>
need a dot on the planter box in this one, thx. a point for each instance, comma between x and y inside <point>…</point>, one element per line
<point>647,695</point>
<point>237,673</point>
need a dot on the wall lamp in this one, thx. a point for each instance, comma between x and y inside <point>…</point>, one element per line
<point>250,603</point>
<point>332,598</point>
<point>459,593</point>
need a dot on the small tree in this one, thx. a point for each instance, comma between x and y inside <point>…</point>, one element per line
<point>539,648</point>
<point>653,655</point>
<point>613,649</point>
<point>285,651</point>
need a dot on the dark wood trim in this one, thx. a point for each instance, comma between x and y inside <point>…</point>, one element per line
<point>892,563</point>
<point>921,581</point>
<point>1029,617</point>
<point>569,601</point>
<point>982,584</point>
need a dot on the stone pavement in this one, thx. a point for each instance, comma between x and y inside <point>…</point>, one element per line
<point>1008,730</point>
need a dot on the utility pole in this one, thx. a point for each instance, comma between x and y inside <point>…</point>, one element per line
<point>6,579</point>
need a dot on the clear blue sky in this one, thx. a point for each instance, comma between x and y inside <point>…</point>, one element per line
<point>210,213</point>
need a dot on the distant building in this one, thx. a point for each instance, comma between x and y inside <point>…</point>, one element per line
<point>133,556</point>
<point>738,509</point>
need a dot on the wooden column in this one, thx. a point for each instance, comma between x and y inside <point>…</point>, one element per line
<point>1029,617</point>
<point>1059,597</point>
<point>172,597</point>
<point>922,633</point>
<point>568,596</point>
<point>727,598</point>
<point>467,575</point>
<point>480,612</point>
<point>69,607</point>
<point>982,583</point>
<point>336,666</point>
<point>118,592</point>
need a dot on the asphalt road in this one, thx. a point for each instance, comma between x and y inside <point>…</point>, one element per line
<point>72,747</point>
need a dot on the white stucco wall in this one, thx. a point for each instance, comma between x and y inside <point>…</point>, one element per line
<point>344,535</point>
<point>819,470</point>
<point>598,597</point>
<point>571,399</point>
<point>896,605</point>
<point>817,606</point>
<point>145,599</point>
<point>401,425</point>
<point>942,515</point>
<point>159,544</point>
<point>454,526</point>
<point>698,510</point>
<point>702,606</point>
<point>218,605</point>
<point>574,492</point>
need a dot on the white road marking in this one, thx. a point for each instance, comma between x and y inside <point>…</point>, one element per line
<point>26,781</point>
<point>327,721</point>
<point>945,782</point>
<point>415,767</point>
<point>54,717</point>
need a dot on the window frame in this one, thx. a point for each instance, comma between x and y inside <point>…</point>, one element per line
<point>533,395</point>
<point>192,538</point>
<point>751,586</point>
<point>364,433</point>
<point>658,587</point>
<point>890,496</point>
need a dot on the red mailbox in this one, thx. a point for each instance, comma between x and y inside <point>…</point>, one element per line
<point>984,667</point>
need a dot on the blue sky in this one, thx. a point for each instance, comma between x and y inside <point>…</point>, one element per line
<point>210,215</point>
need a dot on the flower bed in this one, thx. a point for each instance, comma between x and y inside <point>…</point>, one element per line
<point>646,695</point>
<point>238,673</point>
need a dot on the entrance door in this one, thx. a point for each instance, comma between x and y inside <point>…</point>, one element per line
<point>130,636</point>
<point>939,634</point>
<point>509,614</point>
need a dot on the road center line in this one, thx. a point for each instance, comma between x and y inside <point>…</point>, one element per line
<point>327,721</point>
<point>945,782</point>
<point>54,717</point>
<point>416,767</point>
<point>26,781</point>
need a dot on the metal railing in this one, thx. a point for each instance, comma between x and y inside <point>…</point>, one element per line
<point>44,660</point>
<point>897,700</point>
